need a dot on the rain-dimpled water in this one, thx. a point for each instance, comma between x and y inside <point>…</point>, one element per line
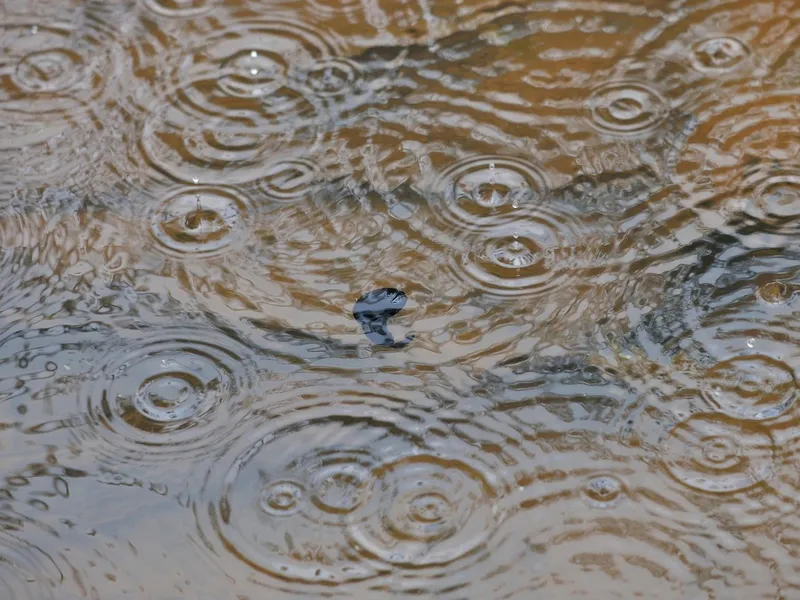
<point>382,299</point>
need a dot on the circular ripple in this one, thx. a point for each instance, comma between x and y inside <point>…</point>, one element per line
<point>779,196</point>
<point>290,180</point>
<point>49,70</point>
<point>174,391</point>
<point>626,108</point>
<point>581,495</point>
<point>427,510</point>
<point>274,513</point>
<point>330,77</point>
<point>26,572</point>
<point>234,106</point>
<point>751,387</point>
<point>603,491</point>
<point>775,292</point>
<point>715,454</point>
<point>741,169</point>
<point>55,72</point>
<point>479,191</point>
<point>336,6</point>
<point>305,498</point>
<point>718,54</point>
<point>742,340</point>
<point>180,8</point>
<point>531,257</point>
<point>200,221</point>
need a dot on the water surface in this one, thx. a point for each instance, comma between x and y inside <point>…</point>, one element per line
<point>587,215</point>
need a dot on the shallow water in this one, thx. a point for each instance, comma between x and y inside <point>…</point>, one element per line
<point>590,211</point>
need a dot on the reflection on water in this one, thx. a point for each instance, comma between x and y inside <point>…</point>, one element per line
<point>398,298</point>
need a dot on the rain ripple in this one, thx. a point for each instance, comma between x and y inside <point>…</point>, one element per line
<point>251,95</point>
<point>169,393</point>
<point>396,497</point>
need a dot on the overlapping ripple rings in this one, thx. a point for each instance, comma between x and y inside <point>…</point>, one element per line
<point>238,103</point>
<point>745,464</point>
<point>587,211</point>
<point>55,72</point>
<point>748,185</point>
<point>347,486</point>
<point>587,526</point>
<point>513,238</point>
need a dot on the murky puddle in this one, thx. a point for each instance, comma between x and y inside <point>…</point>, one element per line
<point>392,298</point>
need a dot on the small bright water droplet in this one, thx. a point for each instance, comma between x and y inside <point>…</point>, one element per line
<point>253,71</point>
<point>751,342</point>
<point>195,180</point>
<point>253,54</point>
<point>34,29</point>
<point>516,235</point>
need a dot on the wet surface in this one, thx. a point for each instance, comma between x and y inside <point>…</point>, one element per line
<point>394,298</point>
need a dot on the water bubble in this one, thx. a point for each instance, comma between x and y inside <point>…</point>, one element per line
<point>718,54</point>
<point>626,108</point>
<point>602,491</point>
<point>775,292</point>
<point>751,387</point>
<point>751,342</point>
<point>205,221</point>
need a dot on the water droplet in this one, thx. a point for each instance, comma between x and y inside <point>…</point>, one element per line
<point>751,342</point>
<point>185,224</point>
<point>602,491</point>
<point>475,196</point>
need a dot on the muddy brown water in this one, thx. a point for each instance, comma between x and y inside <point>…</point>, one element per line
<point>593,209</point>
